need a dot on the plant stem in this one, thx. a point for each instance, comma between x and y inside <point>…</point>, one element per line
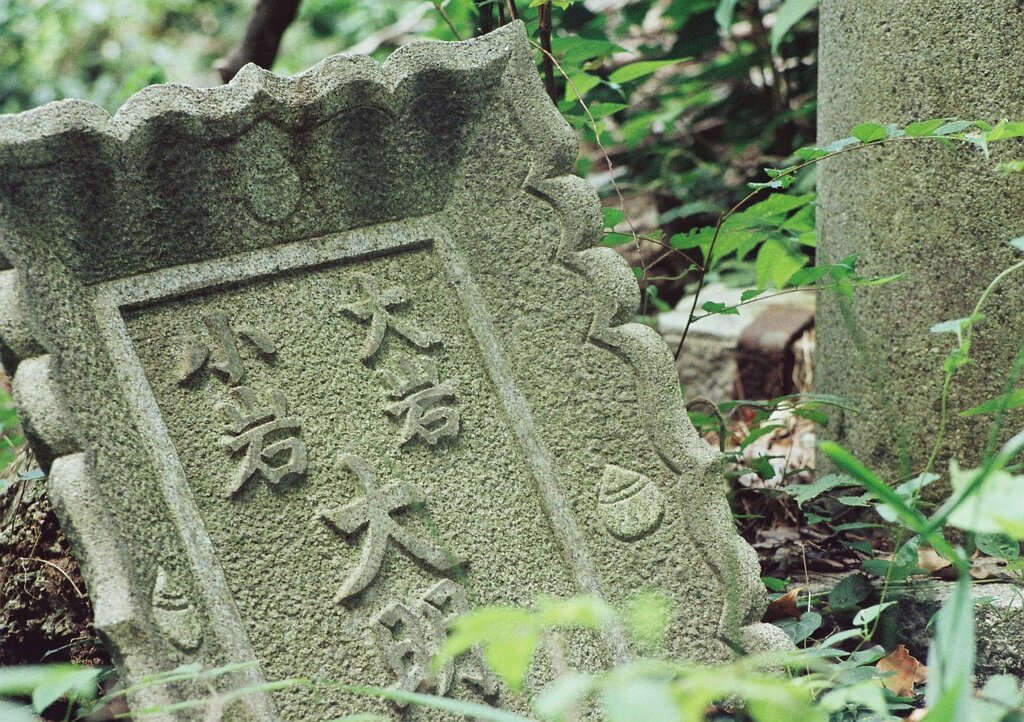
<point>439,6</point>
<point>968,336</point>
<point>544,15</point>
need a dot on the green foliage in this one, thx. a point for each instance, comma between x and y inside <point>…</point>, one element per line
<point>43,686</point>
<point>10,438</point>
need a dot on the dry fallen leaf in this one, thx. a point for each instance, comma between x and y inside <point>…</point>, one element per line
<point>906,670</point>
<point>985,567</point>
<point>783,607</point>
<point>929,560</point>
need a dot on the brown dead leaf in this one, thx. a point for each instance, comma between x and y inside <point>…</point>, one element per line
<point>930,561</point>
<point>783,607</point>
<point>907,671</point>
<point>985,567</point>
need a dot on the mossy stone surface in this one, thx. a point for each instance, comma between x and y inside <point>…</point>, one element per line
<point>335,358</point>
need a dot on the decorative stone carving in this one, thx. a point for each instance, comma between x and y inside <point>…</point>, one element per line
<point>630,504</point>
<point>175,614</point>
<point>269,248</point>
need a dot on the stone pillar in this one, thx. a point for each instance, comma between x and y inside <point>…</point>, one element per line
<point>942,216</point>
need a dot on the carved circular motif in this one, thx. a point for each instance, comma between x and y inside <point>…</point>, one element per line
<point>630,505</point>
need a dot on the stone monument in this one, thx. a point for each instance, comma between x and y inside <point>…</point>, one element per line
<point>316,363</point>
<point>940,216</point>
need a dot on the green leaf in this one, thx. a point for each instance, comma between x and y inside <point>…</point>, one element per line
<point>951,655</point>
<point>75,682</point>
<point>716,307</point>
<point>789,14</point>
<point>869,132</point>
<point>773,584</point>
<point>637,70</point>
<point>998,545</point>
<point>841,144</point>
<point>724,13</point>
<point>889,570</point>
<point>612,217</point>
<point>1004,689</point>
<point>804,493</point>
<point>575,50</point>
<point>870,481</point>
<point>750,294</point>
<point>12,712</point>
<point>781,182</point>
<point>956,325</point>
<point>807,276</point>
<point>616,239</point>
<point>558,698</point>
<point>579,83</point>
<point>999,499</point>
<point>810,153</point>
<point>923,128</point>
<point>954,126</point>
<point>863,501</point>
<point>1010,166</point>
<point>778,261</point>
<point>776,204</point>
<point>868,694</point>
<point>1005,130</point>
<point>603,110</point>
<point>848,593</point>
<point>511,657</point>
<point>869,614</point>
<point>800,629</point>
<point>640,700</point>
<point>581,611</point>
<point>980,140</point>
<point>1012,400</point>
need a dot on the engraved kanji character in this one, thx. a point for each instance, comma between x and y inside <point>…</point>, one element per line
<point>375,308</point>
<point>250,426</point>
<point>426,415</point>
<point>374,512</point>
<point>226,358</point>
<point>442,603</point>
<point>408,638</point>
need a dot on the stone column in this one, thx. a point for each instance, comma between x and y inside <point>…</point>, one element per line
<point>942,216</point>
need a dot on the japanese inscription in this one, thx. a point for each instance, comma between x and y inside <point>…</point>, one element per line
<point>375,308</point>
<point>423,401</point>
<point>226,358</point>
<point>268,434</point>
<point>251,426</point>
<point>408,637</point>
<point>424,405</point>
<point>374,511</point>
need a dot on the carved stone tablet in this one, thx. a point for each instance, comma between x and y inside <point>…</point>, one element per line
<point>316,363</point>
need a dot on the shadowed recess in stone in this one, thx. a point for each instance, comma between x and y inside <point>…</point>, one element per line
<point>321,362</point>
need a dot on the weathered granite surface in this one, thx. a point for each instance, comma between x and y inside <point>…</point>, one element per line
<point>315,363</point>
<point>941,216</point>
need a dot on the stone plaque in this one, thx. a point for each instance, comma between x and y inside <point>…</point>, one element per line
<point>317,363</point>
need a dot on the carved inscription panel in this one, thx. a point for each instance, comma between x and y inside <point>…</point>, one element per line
<point>354,466</point>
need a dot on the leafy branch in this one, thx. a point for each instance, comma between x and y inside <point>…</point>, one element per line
<point>739,229</point>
